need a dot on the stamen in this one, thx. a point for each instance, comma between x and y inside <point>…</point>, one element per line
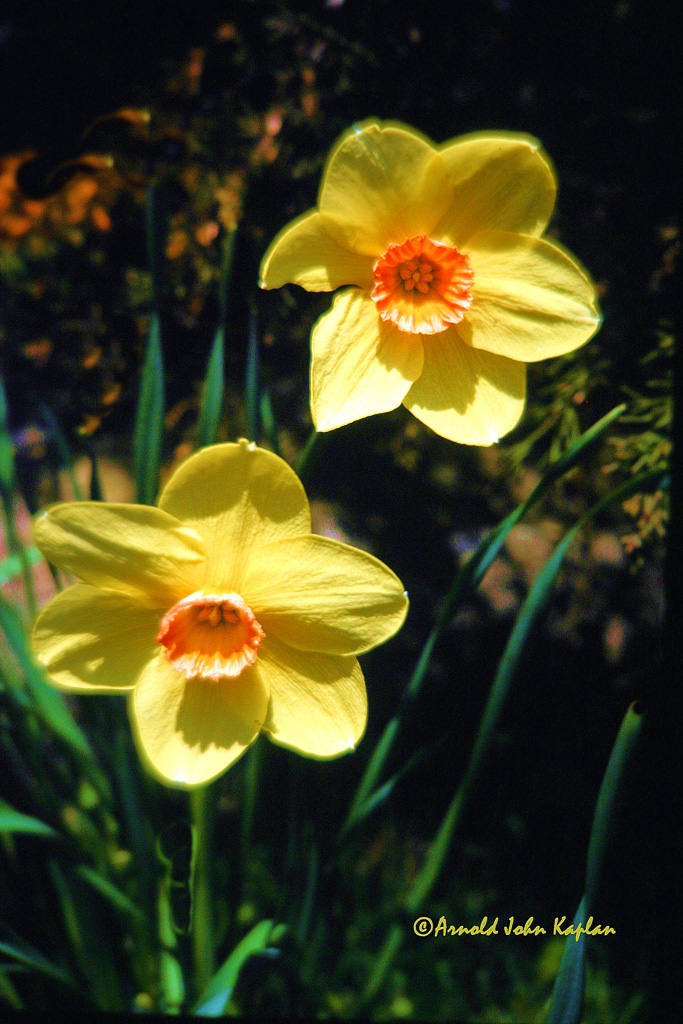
<point>422,286</point>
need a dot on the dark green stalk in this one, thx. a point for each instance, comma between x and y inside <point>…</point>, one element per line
<point>202,809</point>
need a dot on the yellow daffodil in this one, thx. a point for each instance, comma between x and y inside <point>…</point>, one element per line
<point>453,288</point>
<point>218,613</point>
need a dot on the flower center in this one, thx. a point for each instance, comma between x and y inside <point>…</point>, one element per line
<point>422,286</point>
<point>210,635</point>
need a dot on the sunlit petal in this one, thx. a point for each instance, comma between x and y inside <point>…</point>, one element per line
<point>304,253</point>
<point>531,299</point>
<point>317,594</point>
<point>318,704</point>
<point>189,731</point>
<point>93,640</point>
<point>360,364</point>
<point>236,496</point>
<point>133,549</point>
<point>500,180</point>
<point>466,395</point>
<point>383,183</point>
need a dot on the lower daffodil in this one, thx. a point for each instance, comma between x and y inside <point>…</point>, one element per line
<point>218,613</point>
<point>453,288</point>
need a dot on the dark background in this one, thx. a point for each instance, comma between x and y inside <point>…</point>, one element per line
<point>594,81</point>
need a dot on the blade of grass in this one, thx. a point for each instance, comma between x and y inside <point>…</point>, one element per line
<point>535,602</point>
<point>567,997</point>
<point>466,581</point>
<point>251,385</point>
<point>22,953</point>
<point>110,892</point>
<point>215,997</point>
<point>212,393</point>
<point>63,448</point>
<point>149,421</point>
<point>268,421</point>
<point>89,940</point>
<point>15,821</point>
<point>7,486</point>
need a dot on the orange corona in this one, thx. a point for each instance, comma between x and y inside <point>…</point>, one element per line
<point>212,635</point>
<point>422,286</point>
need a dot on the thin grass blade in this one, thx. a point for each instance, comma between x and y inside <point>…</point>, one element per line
<point>15,821</point>
<point>110,892</point>
<point>216,995</point>
<point>251,380</point>
<point>212,394</point>
<point>149,421</point>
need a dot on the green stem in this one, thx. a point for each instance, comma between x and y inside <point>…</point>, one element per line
<point>202,808</point>
<point>252,775</point>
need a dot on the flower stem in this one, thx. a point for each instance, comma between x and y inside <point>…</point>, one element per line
<point>202,808</point>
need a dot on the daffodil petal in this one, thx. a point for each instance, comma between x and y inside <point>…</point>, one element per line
<point>304,253</point>
<point>318,594</point>
<point>95,641</point>
<point>468,396</point>
<point>531,299</point>
<point>500,180</point>
<point>133,549</point>
<point>236,496</point>
<point>383,183</point>
<point>360,364</point>
<point>318,704</point>
<point>188,731</point>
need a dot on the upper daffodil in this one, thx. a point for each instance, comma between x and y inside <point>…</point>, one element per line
<point>454,289</point>
<point>218,613</point>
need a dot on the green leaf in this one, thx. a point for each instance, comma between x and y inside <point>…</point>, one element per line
<point>50,704</point>
<point>12,566</point>
<point>15,821</point>
<point>212,395</point>
<point>149,421</point>
<point>90,941</point>
<point>63,448</point>
<point>6,446</point>
<point>268,421</point>
<point>571,976</point>
<point>109,892</point>
<point>25,954</point>
<point>251,395</point>
<point>215,997</point>
<point>567,997</point>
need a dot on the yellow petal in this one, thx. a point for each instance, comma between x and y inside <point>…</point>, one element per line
<point>95,640</point>
<point>236,496</point>
<point>188,731</point>
<point>500,180</point>
<point>318,594</point>
<point>466,395</point>
<point>305,254</point>
<point>318,704</point>
<point>383,183</point>
<point>360,364</point>
<point>133,549</point>
<point>531,299</point>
